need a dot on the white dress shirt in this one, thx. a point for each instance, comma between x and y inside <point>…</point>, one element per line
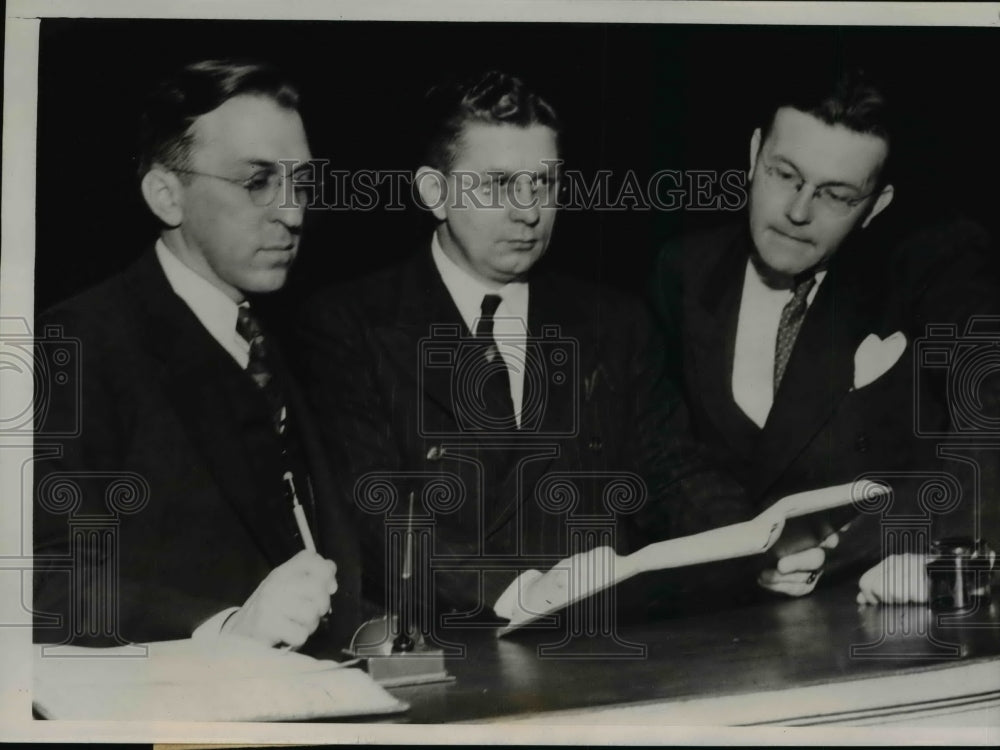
<point>756,336</point>
<point>510,321</point>
<point>209,304</point>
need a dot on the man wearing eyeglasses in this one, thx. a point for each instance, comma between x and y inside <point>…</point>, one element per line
<point>794,334</point>
<point>512,403</point>
<point>234,525</point>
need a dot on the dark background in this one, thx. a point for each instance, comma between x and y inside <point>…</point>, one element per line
<point>632,96</point>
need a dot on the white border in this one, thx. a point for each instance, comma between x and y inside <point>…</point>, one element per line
<point>533,11</point>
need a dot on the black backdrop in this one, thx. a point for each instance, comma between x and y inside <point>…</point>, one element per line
<point>636,97</point>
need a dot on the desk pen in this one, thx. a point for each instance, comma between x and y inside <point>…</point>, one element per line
<point>403,642</point>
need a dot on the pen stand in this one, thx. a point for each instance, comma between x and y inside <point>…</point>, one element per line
<point>393,659</point>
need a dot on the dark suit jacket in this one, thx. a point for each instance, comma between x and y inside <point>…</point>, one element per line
<point>378,375</point>
<point>165,408</point>
<point>820,430</point>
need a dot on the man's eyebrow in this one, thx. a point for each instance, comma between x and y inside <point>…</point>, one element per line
<point>826,184</point>
<point>262,163</point>
<point>268,164</point>
<point>505,172</point>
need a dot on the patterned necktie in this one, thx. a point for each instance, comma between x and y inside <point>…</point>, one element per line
<point>248,327</point>
<point>494,375</point>
<point>788,327</point>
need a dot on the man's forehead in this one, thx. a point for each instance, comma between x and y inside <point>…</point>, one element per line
<point>483,146</point>
<point>823,152</point>
<point>250,129</point>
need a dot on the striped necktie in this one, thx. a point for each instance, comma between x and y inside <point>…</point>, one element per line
<point>788,327</point>
<point>258,367</point>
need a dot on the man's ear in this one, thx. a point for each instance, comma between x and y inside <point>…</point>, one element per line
<point>433,190</point>
<point>754,150</point>
<point>881,204</point>
<point>161,189</point>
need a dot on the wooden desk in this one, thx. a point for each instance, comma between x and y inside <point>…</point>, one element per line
<point>817,660</point>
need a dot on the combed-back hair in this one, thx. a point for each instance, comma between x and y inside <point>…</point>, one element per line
<point>491,98</point>
<point>173,105</point>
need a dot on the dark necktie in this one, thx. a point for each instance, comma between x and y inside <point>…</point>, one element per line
<point>788,327</point>
<point>258,366</point>
<point>494,376</point>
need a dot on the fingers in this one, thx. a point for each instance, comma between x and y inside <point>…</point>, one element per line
<point>799,583</point>
<point>898,579</point>
<point>831,541</point>
<point>307,563</point>
<point>808,561</point>
<point>290,602</point>
<point>311,566</point>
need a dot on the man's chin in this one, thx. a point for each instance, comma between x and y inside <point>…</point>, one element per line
<point>266,283</point>
<point>785,263</point>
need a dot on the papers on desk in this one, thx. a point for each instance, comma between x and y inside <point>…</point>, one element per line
<point>581,576</point>
<point>228,679</point>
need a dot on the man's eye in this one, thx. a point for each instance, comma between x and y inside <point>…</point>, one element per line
<point>829,195</point>
<point>259,181</point>
<point>785,174</point>
<point>493,184</point>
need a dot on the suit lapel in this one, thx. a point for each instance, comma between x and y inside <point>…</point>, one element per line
<point>425,313</point>
<point>219,407</point>
<point>715,312</point>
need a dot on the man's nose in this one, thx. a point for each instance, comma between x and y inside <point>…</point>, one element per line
<point>523,204</point>
<point>290,207</point>
<point>799,208</point>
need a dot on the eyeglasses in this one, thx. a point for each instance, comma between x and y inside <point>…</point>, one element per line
<point>263,185</point>
<point>523,189</point>
<point>828,199</point>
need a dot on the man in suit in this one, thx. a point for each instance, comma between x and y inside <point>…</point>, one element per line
<point>516,405</point>
<point>796,336</point>
<point>194,446</point>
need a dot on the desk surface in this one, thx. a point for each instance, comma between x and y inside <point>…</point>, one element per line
<point>907,657</point>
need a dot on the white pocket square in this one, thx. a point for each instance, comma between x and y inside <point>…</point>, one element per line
<point>875,356</point>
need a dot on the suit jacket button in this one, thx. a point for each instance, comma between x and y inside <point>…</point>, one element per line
<point>434,453</point>
<point>595,444</point>
<point>861,444</point>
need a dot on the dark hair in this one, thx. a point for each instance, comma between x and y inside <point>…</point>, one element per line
<point>177,101</point>
<point>850,98</point>
<point>491,98</point>
<point>846,97</point>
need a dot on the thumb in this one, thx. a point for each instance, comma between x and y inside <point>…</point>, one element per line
<point>807,560</point>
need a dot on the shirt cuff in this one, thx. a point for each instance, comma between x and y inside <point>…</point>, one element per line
<point>507,602</point>
<point>212,627</point>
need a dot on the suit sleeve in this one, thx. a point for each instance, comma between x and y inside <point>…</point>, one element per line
<point>83,592</point>
<point>953,273</point>
<point>687,494</point>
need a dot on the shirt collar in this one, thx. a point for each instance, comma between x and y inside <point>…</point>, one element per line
<point>754,280</point>
<point>467,291</point>
<point>211,306</point>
